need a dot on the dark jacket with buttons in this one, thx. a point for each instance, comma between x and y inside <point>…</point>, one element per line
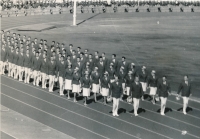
<point>163,89</point>
<point>85,82</point>
<point>116,89</point>
<point>185,89</point>
<point>136,90</point>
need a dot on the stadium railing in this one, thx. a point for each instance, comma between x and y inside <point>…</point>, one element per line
<point>97,9</point>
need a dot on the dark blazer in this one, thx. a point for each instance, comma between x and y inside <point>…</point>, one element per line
<point>116,89</point>
<point>44,66</point>
<point>186,89</point>
<point>76,79</point>
<point>61,69</point>
<point>3,55</point>
<point>85,83</point>
<point>27,61</point>
<point>120,64</point>
<point>52,68</point>
<point>95,78</point>
<point>69,74</point>
<point>136,90</point>
<point>111,73</point>
<point>105,83</point>
<point>129,81</point>
<point>101,68</point>
<point>21,60</point>
<point>36,64</point>
<point>152,82</point>
<point>143,76</point>
<point>121,77</point>
<point>163,89</point>
<point>15,58</point>
<point>115,64</point>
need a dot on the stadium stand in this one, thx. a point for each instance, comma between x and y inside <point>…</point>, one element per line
<point>29,7</point>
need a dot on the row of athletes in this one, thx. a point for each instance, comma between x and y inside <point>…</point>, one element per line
<point>76,73</point>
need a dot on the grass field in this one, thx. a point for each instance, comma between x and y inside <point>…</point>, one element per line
<point>166,42</point>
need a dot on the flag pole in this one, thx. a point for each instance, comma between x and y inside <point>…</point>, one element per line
<point>74,14</point>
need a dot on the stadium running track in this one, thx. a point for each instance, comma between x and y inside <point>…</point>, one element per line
<point>95,121</point>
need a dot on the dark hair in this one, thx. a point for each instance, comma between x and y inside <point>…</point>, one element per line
<point>123,57</point>
<point>71,45</point>
<point>114,55</point>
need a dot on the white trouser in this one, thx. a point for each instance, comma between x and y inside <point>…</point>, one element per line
<point>185,103</point>
<point>51,82</point>
<point>136,105</point>
<point>163,104</point>
<point>44,80</point>
<point>27,74</point>
<point>2,67</point>
<point>115,105</point>
<point>20,72</point>
<point>61,82</point>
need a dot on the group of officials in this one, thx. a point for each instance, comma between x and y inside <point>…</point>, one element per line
<point>76,71</point>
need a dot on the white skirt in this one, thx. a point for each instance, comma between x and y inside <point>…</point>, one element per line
<point>128,90</point>
<point>76,88</point>
<point>144,86</point>
<point>68,84</point>
<point>153,90</point>
<point>86,92</point>
<point>95,88</point>
<point>105,92</point>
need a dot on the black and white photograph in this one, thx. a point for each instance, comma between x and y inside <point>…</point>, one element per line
<point>100,69</point>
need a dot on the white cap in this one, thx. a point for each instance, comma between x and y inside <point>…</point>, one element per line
<point>143,67</point>
<point>153,71</point>
<point>132,63</point>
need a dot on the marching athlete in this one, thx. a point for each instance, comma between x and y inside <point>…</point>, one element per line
<point>95,77</point>
<point>121,76</point>
<point>61,66</point>
<point>137,93</point>
<point>51,73</point>
<point>3,60</point>
<point>21,64</point>
<point>36,66</point>
<point>185,88</point>
<point>27,67</point>
<point>116,89</point>
<point>105,85</point>
<point>164,90</point>
<point>128,83</point>
<point>86,85</point>
<point>143,79</point>
<point>68,79</point>
<point>44,70</point>
<point>76,83</point>
<point>152,84</point>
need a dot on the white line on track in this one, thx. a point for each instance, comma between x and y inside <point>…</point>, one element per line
<point>41,123</point>
<point>90,108</point>
<point>55,116</point>
<point>178,111</point>
<point>73,112</point>
<point>8,134</point>
<point>158,122</point>
<point>61,97</point>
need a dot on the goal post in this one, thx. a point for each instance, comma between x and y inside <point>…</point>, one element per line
<point>74,14</point>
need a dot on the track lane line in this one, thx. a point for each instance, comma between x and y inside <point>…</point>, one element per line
<point>55,116</point>
<point>8,134</point>
<point>41,123</point>
<point>72,112</point>
<point>144,100</point>
<point>93,109</point>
